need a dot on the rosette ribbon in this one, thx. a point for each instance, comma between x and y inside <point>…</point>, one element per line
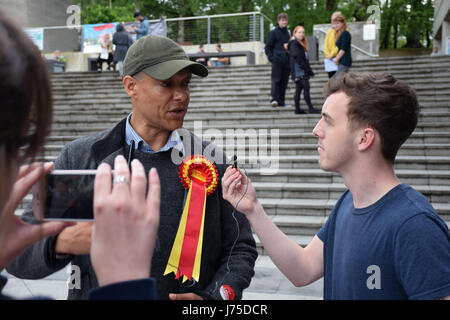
<point>200,177</point>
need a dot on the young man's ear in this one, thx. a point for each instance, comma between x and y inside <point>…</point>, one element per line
<point>366,138</point>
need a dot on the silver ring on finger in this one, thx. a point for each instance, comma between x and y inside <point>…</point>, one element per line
<point>121,179</point>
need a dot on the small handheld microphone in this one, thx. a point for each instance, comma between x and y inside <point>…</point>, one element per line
<point>235,161</point>
<point>130,153</point>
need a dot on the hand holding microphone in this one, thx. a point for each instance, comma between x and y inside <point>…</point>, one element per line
<point>238,189</point>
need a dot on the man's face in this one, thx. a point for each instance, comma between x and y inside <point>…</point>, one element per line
<point>337,143</point>
<point>282,23</point>
<point>161,104</point>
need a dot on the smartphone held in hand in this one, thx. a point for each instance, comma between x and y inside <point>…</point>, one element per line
<point>65,195</point>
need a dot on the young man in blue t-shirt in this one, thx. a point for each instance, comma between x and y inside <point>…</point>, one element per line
<point>383,239</point>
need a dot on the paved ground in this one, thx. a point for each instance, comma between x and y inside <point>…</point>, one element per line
<point>53,286</point>
<point>268,284</point>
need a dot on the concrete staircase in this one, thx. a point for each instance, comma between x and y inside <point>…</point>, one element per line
<point>233,102</point>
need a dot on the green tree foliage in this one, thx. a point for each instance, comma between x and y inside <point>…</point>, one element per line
<point>102,11</point>
<point>406,23</point>
<point>403,22</point>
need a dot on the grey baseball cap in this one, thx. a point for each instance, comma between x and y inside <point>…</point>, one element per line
<point>160,58</point>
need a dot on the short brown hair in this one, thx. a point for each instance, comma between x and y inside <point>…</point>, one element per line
<point>282,15</point>
<point>382,102</point>
<point>25,92</point>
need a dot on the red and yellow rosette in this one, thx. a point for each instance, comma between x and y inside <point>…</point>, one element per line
<point>200,177</point>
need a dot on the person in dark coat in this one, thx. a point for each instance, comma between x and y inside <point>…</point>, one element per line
<point>300,69</point>
<point>123,41</point>
<point>277,54</point>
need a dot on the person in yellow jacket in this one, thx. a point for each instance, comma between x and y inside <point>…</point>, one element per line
<point>330,49</point>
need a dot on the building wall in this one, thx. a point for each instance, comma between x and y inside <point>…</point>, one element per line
<point>78,61</point>
<point>45,13</point>
<point>256,46</point>
<point>37,13</point>
<point>441,25</point>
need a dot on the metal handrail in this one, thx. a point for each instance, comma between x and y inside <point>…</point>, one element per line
<point>208,17</point>
<point>357,48</point>
<point>176,19</point>
<point>215,16</point>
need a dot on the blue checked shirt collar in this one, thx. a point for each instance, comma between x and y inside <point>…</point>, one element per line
<point>174,140</point>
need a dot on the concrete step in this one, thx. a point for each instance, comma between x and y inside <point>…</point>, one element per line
<point>238,88</point>
<point>280,116</point>
<point>299,149</point>
<point>219,93</point>
<point>370,66</point>
<point>260,112</point>
<point>412,177</point>
<point>284,137</point>
<point>212,126</point>
<point>103,107</point>
<point>250,79</point>
<point>319,207</point>
<point>436,103</point>
<point>429,111</point>
<point>251,104</point>
<point>282,190</point>
<point>394,69</point>
<point>310,161</point>
<point>209,116</point>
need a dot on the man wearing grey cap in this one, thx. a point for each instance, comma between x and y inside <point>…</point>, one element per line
<point>156,74</point>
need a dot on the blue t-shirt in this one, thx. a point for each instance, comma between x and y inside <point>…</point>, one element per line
<point>397,248</point>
